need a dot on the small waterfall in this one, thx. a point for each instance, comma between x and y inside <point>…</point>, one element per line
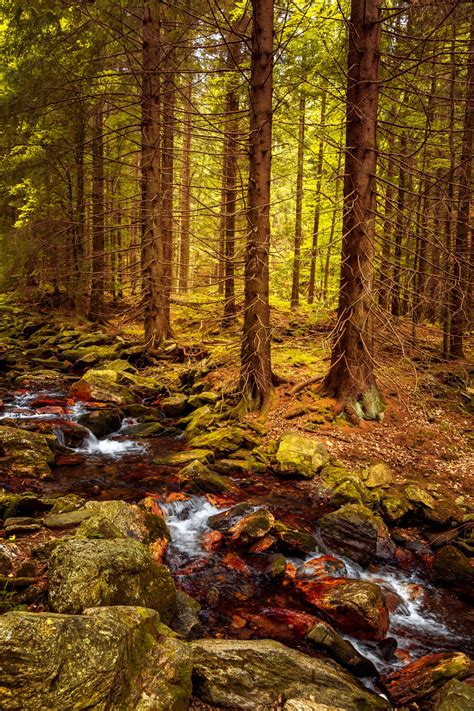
<point>187,521</point>
<point>109,447</point>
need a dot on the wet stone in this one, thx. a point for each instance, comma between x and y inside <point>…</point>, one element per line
<point>68,519</point>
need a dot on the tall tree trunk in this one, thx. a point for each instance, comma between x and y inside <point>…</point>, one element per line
<point>80,212</point>
<point>399,231</point>
<point>351,377</point>
<point>167,170</point>
<point>459,293</point>
<point>317,206</point>
<point>156,322</point>
<point>184,242</point>
<point>256,373</point>
<point>295,287</point>
<point>229,191</point>
<point>384,287</point>
<point>96,303</point>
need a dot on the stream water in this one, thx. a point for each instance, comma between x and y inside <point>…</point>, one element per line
<point>117,467</point>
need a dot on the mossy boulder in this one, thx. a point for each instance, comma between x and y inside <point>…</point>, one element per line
<point>103,386</point>
<point>450,565</point>
<point>24,454</point>
<point>350,491</point>
<point>186,620</point>
<point>424,676</point>
<point>324,637</point>
<point>99,573</point>
<point>292,539</point>
<point>222,441</point>
<point>254,674</point>
<point>207,397</point>
<point>198,421</point>
<point>131,520</point>
<point>251,526</point>
<point>102,422</point>
<point>107,658</point>
<point>300,456</point>
<point>226,519</point>
<point>356,532</point>
<point>394,507</point>
<point>174,406</point>
<point>196,478</point>
<point>455,696</point>
<point>419,496</point>
<point>144,430</point>
<point>68,519</point>
<point>377,475</point>
<point>180,459</point>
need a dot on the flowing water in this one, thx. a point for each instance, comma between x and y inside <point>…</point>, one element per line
<point>118,467</point>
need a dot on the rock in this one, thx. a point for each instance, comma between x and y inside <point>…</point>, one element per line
<point>98,573</point>
<point>186,620</point>
<point>300,456</point>
<point>254,674</point>
<point>226,519</point>
<point>377,475</point>
<point>417,495</point>
<point>450,565</point>
<point>306,705</point>
<point>67,520</point>
<point>196,478</point>
<point>98,527</point>
<point>207,397</point>
<point>144,429</point>
<point>354,531</point>
<point>102,422</point>
<point>324,566</point>
<point>350,491</point>
<point>357,607</point>
<point>325,637</point>
<point>251,527</point>
<point>455,696</point>
<point>198,421</point>
<point>103,386</point>
<point>174,406</point>
<point>63,504</point>
<point>107,658</point>
<point>424,676</point>
<point>293,539</point>
<point>21,525</point>
<point>222,441</point>
<point>246,465</point>
<point>395,508</point>
<point>131,520</point>
<point>24,454</point>
<point>180,459</point>
<point>26,504</point>
<point>9,553</point>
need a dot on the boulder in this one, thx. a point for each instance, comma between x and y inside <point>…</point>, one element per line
<point>350,491</point>
<point>207,397</point>
<point>68,519</point>
<point>300,456</point>
<point>131,520</point>
<point>222,441</point>
<point>107,658</point>
<point>196,478</point>
<point>323,566</point>
<point>324,637</point>
<point>354,531</point>
<point>186,620</point>
<point>102,422</point>
<point>424,676</point>
<point>451,566</point>
<point>251,527</point>
<point>419,496</point>
<point>255,674</point>
<point>174,406</point>
<point>300,704</point>
<point>224,520</point>
<point>377,475</point>
<point>294,540</point>
<point>198,421</point>
<point>103,386</point>
<point>99,573</point>
<point>394,508</point>
<point>144,429</point>
<point>24,454</point>
<point>455,696</point>
<point>357,607</point>
<point>180,459</point>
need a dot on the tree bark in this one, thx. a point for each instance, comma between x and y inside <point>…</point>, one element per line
<point>317,207</point>
<point>156,321</point>
<point>96,303</point>
<point>351,377</point>
<point>184,242</point>
<point>256,375</point>
<point>459,293</point>
<point>295,287</point>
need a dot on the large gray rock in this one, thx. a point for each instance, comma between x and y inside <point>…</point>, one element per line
<point>254,674</point>
<point>99,573</point>
<point>108,658</point>
<point>300,456</point>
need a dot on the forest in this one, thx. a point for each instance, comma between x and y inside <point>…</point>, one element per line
<point>236,339</point>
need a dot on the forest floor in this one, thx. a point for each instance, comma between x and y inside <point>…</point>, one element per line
<point>427,432</point>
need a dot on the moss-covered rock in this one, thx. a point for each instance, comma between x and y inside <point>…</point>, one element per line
<point>226,519</point>
<point>198,421</point>
<point>107,658</point>
<point>222,441</point>
<point>292,539</point>
<point>180,459</point>
<point>196,478</point>
<point>144,430</point>
<point>356,532</point>
<point>324,637</point>
<point>103,386</point>
<point>377,475</point>
<point>300,456</point>
<point>102,422</point>
<point>350,491</point>
<point>450,565</point>
<point>98,527</point>
<point>424,676</point>
<point>174,406</point>
<point>420,496</point>
<point>455,696</point>
<point>131,520</point>
<point>68,519</point>
<point>254,674</point>
<point>252,526</point>
<point>99,573</point>
<point>24,454</point>
<point>206,397</point>
<point>186,620</point>
<point>394,507</point>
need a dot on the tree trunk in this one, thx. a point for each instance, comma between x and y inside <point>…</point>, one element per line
<point>96,303</point>
<point>384,287</point>
<point>399,231</point>
<point>351,377</point>
<point>184,243</point>
<point>256,374</point>
<point>317,207</point>
<point>295,287</point>
<point>459,293</point>
<point>154,294</point>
